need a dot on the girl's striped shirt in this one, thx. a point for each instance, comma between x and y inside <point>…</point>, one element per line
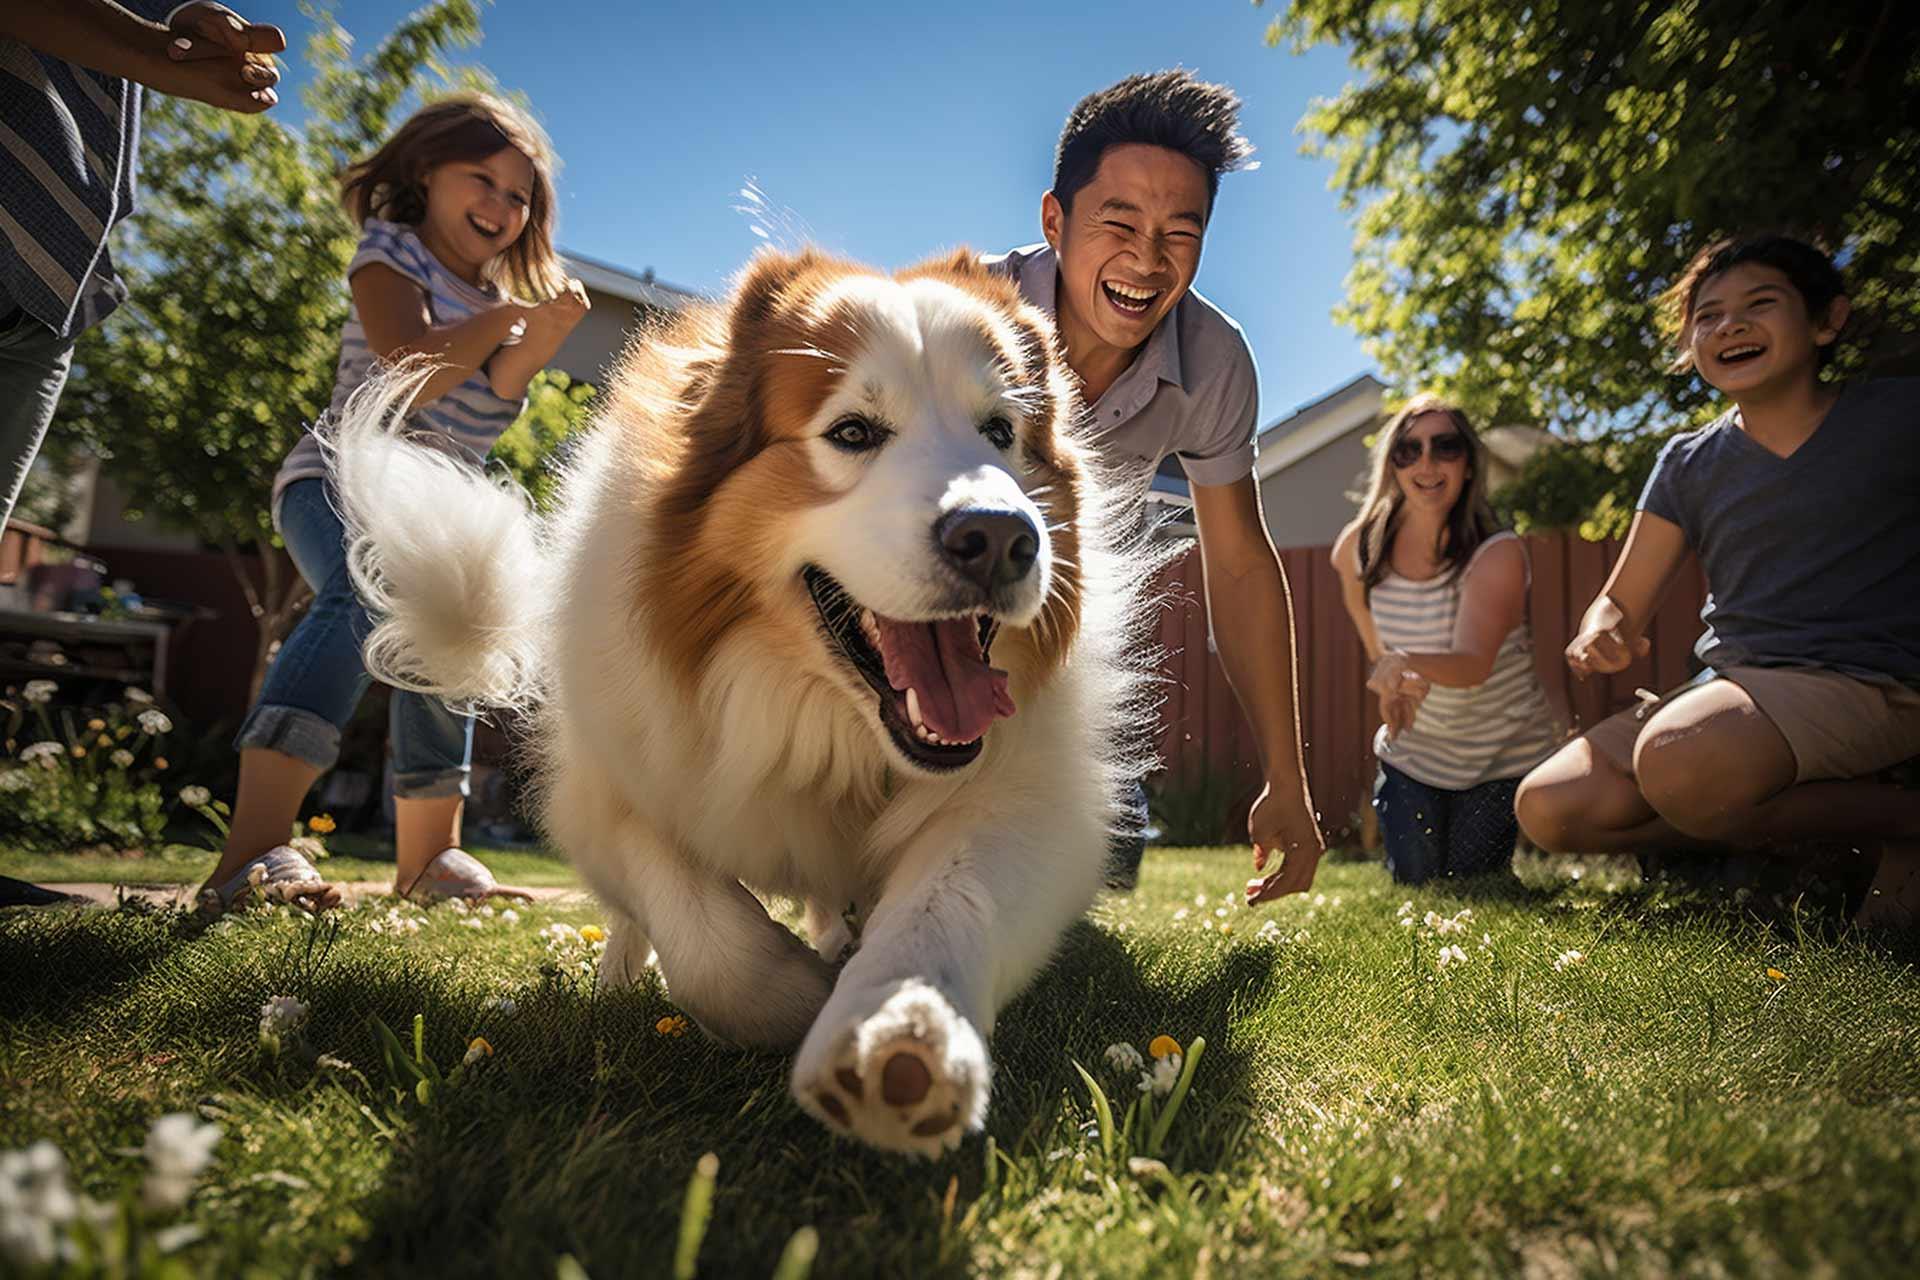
<point>470,414</point>
<point>1462,737</point>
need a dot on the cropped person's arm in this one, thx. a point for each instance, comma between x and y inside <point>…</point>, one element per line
<point>1493,601</point>
<point>231,64</point>
<point>1612,629</point>
<point>1353,592</point>
<point>393,311</point>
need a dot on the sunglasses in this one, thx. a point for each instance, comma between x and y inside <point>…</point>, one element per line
<point>1450,447</point>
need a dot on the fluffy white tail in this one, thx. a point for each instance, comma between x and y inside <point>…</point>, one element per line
<point>447,559</point>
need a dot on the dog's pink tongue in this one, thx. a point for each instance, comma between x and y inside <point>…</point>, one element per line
<point>959,694</point>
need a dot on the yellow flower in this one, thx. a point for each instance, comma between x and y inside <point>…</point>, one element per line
<point>79,752</point>
<point>95,726</point>
<point>321,824</point>
<point>160,762</point>
<point>122,732</point>
<point>1776,975</point>
<point>105,741</point>
<point>1163,1045</point>
<point>593,933</point>
<point>1226,928</point>
<point>477,1048</point>
<point>671,1025</point>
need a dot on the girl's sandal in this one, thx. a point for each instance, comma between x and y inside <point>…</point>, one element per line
<point>280,874</point>
<point>455,873</point>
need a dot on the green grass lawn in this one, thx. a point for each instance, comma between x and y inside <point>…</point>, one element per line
<point>1660,1105</point>
<point>354,858</point>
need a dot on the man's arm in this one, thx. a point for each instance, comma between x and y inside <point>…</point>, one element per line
<point>1251,614</point>
<point>225,61</point>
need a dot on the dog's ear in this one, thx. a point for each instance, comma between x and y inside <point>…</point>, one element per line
<point>771,273</point>
<point>961,262</point>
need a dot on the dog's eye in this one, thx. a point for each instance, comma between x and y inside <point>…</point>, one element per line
<point>999,431</point>
<point>856,435</point>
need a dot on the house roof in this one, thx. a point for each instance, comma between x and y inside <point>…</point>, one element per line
<point>1319,422</point>
<point>641,290</point>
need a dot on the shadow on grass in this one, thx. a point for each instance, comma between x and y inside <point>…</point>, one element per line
<point>580,1133</point>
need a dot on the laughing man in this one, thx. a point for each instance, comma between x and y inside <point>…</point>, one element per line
<point>1164,371</point>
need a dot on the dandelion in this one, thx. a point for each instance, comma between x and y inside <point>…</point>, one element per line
<point>1226,928</point>
<point>321,824</point>
<point>1123,1057</point>
<point>1776,975</point>
<point>153,721</point>
<point>195,797</point>
<point>477,1048</point>
<point>1567,959</point>
<point>672,1025</point>
<point>178,1147</point>
<point>1165,1073</point>
<point>122,758</point>
<point>39,693</point>
<point>95,725</point>
<point>593,933</point>
<point>78,752</point>
<point>160,763</point>
<point>1162,1046</point>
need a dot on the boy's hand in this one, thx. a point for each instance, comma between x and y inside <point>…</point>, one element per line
<point>216,57</point>
<point>1604,650</point>
<point>1282,822</point>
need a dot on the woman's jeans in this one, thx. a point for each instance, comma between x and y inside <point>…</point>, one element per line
<point>1433,832</point>
<point>317,678</point>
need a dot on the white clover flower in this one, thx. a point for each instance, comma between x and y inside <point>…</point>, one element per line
<point>1269,932</point>
<point>121,758</point>
<point>39,692</point>
<point>1220,912</point>
<point>509,916</point>
<point>1450,955</point>
<point>327,1062</point>
<point>153,722</point>
<point>503,1006</point>
<point>12,780</point>
<point>459,906</point>
<point>1161,1078</point>
<point>1302,936</point>
<point>46,753</point>
<point>137,697</point>
<point>1406,908</point>
<point>1199,899</point>
<point>1567,959</point>
<point>195,797</point>
<point>1123,1057</point>
<point>178,1148</point>
<point>282,1014</point>
<point>472,923</point>
<point>1181,914</point>
<point>35,1203</point>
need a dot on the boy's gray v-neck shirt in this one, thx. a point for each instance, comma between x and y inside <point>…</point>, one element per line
<point>1812,560</point>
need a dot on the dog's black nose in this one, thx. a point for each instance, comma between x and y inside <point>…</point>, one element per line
<point>990,548</point>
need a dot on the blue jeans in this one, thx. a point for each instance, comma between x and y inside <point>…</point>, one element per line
<point>33,369</point>
<point>317,678</point>
<point>1433,832</point>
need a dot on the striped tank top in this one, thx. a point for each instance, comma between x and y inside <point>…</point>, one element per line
<point>1460,738</point>
<point>469,414</point>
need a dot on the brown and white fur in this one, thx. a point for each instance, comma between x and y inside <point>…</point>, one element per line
<point>705,734</point>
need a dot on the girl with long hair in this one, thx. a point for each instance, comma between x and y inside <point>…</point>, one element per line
<point>1438,592</point>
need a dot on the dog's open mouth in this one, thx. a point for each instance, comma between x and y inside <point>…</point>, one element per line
<point>938,691</point>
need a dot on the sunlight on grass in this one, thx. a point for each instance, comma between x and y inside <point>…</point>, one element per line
<point>1412,1081</point>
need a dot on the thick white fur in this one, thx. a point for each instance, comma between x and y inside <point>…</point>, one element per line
<point>774,773</point>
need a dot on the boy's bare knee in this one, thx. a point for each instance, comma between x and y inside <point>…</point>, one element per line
<point>1690,789</point>
<point>1549,813</point>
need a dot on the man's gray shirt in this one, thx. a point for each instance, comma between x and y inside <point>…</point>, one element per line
<point>1812,560</point>
<point>1192,391</point>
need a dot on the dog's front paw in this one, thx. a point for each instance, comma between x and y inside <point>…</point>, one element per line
<point>906,1072</point>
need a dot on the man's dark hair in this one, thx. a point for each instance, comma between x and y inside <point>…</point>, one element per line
<point>1168,109</point>
<point>1805,265</point>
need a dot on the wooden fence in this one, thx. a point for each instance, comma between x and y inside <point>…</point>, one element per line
<point>1203,731</point>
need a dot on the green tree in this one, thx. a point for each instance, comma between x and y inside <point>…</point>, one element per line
<point>556,408</point>
<point>1530,174</point>
<point>193,393</point>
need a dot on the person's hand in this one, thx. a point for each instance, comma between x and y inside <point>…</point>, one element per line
<point>1604,650</point>
<point>1282,825</point>
<point>1390,671</point>
<point>1398,709</point>
<point>217,57</point>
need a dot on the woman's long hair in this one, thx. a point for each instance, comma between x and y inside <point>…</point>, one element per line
<point>391,183</point>
<point>1470,522</point>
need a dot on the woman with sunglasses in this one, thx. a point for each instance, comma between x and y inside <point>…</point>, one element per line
<point>1438,592</point>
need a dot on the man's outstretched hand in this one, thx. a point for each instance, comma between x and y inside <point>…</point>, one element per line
<point>1282,827</point>
<point>217,57</point>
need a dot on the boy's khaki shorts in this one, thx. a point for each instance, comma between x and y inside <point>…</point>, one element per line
<point>1836,725</point>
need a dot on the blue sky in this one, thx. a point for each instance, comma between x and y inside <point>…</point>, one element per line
<point>888,130</point>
